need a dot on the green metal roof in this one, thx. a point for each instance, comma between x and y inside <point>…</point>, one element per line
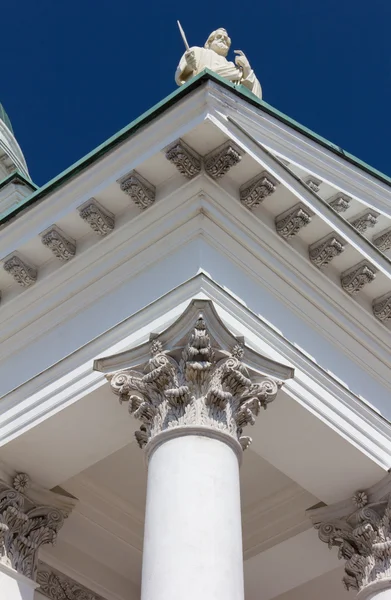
<point>161,107</point>
<point>5,118</point>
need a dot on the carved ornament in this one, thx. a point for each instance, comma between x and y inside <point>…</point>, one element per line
<point>57,586</point>
<point>139,189</point>
<point>313,184</point>
<point>364,221</point>
<point>382,241</point>
<point>98,218</point>
<point>62,246</point>
<point>256,190</point>
<point>322,253</point>
<point>21,270</point>
<point>381,307</point>
<point>340,203</point>
<point>289,223</point>
<point>354,279</point>
<point>218,162</point>
<point>185,159</point>
<point>204,378</point>
<point>361,530</point>
<point>26,526</point>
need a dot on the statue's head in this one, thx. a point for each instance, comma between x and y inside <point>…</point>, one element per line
<point>219,42</point>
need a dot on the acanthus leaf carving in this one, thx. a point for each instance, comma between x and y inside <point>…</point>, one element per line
<point>185,159</point>
<point>289,223</point>
<point>322,253</point>
<point>361,530</point>
<point>62,246</point>
<point>253,192</point>
<point>218,162</point>
<point>138,189</point>
<point>383,240</point>
<point>354,279</point>
<point>313,184</point>
<point>22,271</point>
<point>340,203</point>
<point>365,220</point>
<point>197,385</point>
<point>25,527</point>
<point>381,307</point>
<point>55,585</point>
<point>98,218</point>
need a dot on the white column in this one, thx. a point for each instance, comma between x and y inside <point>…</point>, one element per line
<point>193,533</point>
<point>381,590</point>
<point>194,396</point>
<point>14,586</point>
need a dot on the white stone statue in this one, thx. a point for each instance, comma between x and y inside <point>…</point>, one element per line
<point>213,57</point>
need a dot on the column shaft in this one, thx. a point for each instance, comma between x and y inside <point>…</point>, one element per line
<point>193,533</point>
<point>14,586</point>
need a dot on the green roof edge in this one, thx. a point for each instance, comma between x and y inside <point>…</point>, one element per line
<point>160,107</point>
<point>17,175</point>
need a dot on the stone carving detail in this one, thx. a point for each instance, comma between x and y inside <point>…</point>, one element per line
<point>139,189</point>
<point>186,160</point>
<point>57,586</point>
<point>313,185</point>
<point>383,240</point>
<point>62,246</point>
<point>98,218</point>
<point>23,272</point>
<point>24,527</point>
<point>205,378</point>
<point>364,221</point>
<point>218,162</point>
<point>256,190</point>
<point>289,223</point>
<point>340,203</point>
<point>354,279</point>
<point>361,530</point>
<point>381,307</point>
<point>322,253</point>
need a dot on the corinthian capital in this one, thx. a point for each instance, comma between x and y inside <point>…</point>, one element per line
<point>26,525</point>
<point>361,530</point>
<point>198,375</point>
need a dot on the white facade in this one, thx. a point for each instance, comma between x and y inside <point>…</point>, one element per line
<point>216,199</point>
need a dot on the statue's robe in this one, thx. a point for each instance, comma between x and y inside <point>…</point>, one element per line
<point>209,59</point>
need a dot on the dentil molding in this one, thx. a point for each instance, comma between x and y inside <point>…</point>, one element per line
<point>195,374</point>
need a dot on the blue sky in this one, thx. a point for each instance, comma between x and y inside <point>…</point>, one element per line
<point>74,72</point>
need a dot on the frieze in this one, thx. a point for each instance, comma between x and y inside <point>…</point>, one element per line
<point>138,189</point>
<point>55,585</point>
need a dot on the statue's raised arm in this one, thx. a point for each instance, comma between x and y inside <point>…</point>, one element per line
<point>213,57</point>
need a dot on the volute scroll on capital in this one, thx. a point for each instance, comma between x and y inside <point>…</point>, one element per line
<point>361,530</point>
<point>197,375</point>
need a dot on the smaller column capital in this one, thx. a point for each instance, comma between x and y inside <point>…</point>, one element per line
<point>360,528</point>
